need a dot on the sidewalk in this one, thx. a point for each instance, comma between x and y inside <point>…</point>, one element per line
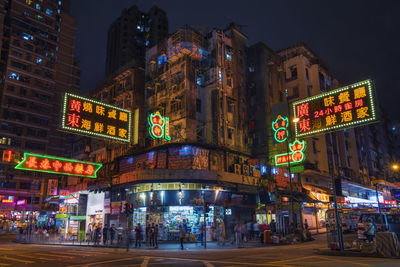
<point>212,245</point>
<point>349,253</point>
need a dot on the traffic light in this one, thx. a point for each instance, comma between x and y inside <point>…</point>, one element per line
<point>128,209</point>
<point>208,207</point>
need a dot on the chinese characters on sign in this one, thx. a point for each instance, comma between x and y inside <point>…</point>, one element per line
<point>344,107</point>
<point>159,126</point>
<point>86,116</point>
<point>279,126</point>
<point>50,164</point>
<point>295,156</point>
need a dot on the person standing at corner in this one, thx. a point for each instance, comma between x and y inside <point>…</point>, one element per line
<point>120,231</point>
<point>182,234</point>
<point>105,234</point>
<point>156,236</point>
<point>138,231</point>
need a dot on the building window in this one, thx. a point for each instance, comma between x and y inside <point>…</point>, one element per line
<point>27,37</point>
<point>38,7</point>
<point>220,75</point>
<point>198,81</point>
<point>309,90</point>
<point>307,76</point>
<point>251,69</point>
<point>230,133</point>
<point>295,92</point>
<point>49,12</point>
<point>198,105</point>
<point>314,147</point>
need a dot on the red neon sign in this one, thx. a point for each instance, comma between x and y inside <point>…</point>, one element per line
<point>43,163</point>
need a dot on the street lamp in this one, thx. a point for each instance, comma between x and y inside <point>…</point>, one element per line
<point>395,166</point>
<point>296,120</point>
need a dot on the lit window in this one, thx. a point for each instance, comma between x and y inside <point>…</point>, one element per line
<point>147,43</point>
<point>13,76</point>
<point>220,76</point>
<point>58,11</point>
<point>28,2</point>
<point>37,6</point>
<point>49,12</point>
<point>251,69</point>
<point>39,17</point>
<point>39,60</point>
<point>138,27</point>
<point>59,3</point>
<point>198,80</point>
<point>27,37</point>
<point>228,56</point>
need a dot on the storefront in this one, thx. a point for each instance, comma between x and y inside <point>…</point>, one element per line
<point>171,205</point>
<point>95,210</point>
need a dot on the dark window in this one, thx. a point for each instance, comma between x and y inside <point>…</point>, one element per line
<point>36,146</point>
<point>307,76</point>
<point>198,105</point>
<point>23,185</point>
<point>230,133</point>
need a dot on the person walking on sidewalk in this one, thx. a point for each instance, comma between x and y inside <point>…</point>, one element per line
<point>105,234</point>
<point>182,234</point>
<point>112,234</point>
<point>147,229</point>
<point>97,235</point>
<point>120,232</point>
<point>129,237</point>
<point>151,232</point>
<point>156,236</point>
<point>238,234</point>
<point>138,231</point>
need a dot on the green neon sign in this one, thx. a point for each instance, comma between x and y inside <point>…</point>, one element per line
<point>158,126</point>
<point>57,165</point>
<point>295,156</point>
<point>279,126</point>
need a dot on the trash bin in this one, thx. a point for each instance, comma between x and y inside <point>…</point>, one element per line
<point>267,237</point>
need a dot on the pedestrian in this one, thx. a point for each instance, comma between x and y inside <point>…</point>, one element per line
<point>370,233</point>
<point>182,235</point>
<point>97,236</point>
<point>306,224</point>
<point>138,231</point>
<point>151,231</point>
<point>148,227</point>
<point>201,228</point>
<point>273,226</point>
<point>129,237</point>
<point>105,234</point>
<point>120,232</point>
<point>112,233</point>
<point>238,234</point>
<point>156,236</point>
<point>249,230</point>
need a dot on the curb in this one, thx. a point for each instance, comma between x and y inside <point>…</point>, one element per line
<point>328,252</point>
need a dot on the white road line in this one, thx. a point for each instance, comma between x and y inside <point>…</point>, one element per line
<point>207,264</point>
<point>145,262</point>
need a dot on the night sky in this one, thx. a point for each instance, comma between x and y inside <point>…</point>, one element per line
<point>357,39</point>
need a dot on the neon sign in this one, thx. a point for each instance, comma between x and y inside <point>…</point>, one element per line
<point>90,117</point>
<point>296,155</point>
<point>280,128</point>
<point>159,126</point>
<point>349,106</point>
<point>50,164</point>
<point>21,202</point>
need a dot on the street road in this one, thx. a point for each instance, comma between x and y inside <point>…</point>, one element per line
<point>13,254</point>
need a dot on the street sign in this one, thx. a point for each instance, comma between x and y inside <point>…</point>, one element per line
<point>89,117</point>
<point>50,164</point>
<point>349,106</point>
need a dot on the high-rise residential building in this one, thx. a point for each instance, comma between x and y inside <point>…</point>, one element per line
<point>198,81</point>
<point>131,33</point>
<point>37,65</point>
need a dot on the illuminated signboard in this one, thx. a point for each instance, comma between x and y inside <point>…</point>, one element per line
<point>295,156</point>
<point>21,202</point>
<point>349,106</point>
<point>279,126</point>
<point>90,117</point>
<point>50,164</point>
<point>159,126</point>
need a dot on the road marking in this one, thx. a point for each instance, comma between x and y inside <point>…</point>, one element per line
<point>40,258</point>
<point>4,264</point>
<point>55,255</point>
<point>294,259</point>
<point>145,262</point>
<point>101,262</point>
<point>344,261</point>
<point>19,260</point>
<point>86,251</point>
<point>207,264</point>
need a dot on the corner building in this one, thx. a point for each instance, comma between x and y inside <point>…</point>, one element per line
<point>197,80</point>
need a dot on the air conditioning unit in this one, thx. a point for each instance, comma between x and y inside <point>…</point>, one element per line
<point>238,168</point>
<point>246,169</point>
